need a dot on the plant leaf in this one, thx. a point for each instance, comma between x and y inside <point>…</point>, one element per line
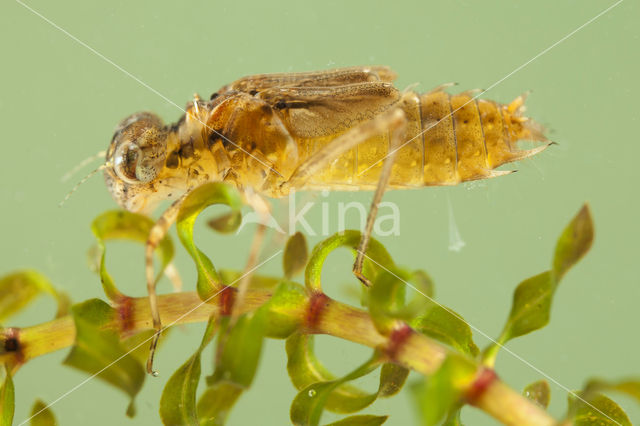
<point>241,348</point>
<point>124,225</point>
<point>227,223</point>
<point>7,399</point>
<point>295,256</point>
<point>538,392</point>
<point>41,415</point>
<point>230,277</point>
<point>361,420</point>
<point>453,418</point>
<point>531,306</point>
<point>98,350</point>
<point>285,310</point>
<point>631,387</point>
<point>305,370</point>
<point>20,288</point>
<point>423,283</point>
<point>601,411</point>
<point>178,401</point>
<point>574,242</point>
<point>387,300</point>
<point>209,282</point>
<point>446,326</point>
<point>530,311</point>
<point>309,403</point>
<point>376,255</point>
<point>392,378</point>
<point>441,392</point>
<point>216,402</point>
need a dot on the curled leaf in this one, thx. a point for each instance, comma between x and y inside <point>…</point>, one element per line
<point>209,282</point>
<point>305,370</point>
<point>538,392</point>
<point>98,350</point>
<point>178,401</point>
<point>376,257</point>
<point>41,415</point>
<point>296,255</point>
<point>124,225</point>
<point>19,289</point>
<point>447,326</point>
<point>386,299</point>
<point>7,399</point>
<point>308,405</point>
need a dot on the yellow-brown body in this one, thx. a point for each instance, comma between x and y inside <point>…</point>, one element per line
<point>257,131</point>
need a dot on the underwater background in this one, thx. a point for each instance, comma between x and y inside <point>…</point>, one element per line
<point>59,103</point>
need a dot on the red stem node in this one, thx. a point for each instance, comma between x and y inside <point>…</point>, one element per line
<point>318,302</point>
<point>485,378</point>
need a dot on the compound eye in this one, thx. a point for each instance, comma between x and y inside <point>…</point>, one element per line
<point>126,160</point>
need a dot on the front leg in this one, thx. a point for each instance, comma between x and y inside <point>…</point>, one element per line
<point>157,233</point>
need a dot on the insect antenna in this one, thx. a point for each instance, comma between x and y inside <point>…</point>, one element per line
<point>86,161</point>
<point>83,180</point>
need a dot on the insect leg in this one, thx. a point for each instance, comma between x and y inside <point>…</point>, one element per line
<point>393,121</point>
<point>260,206</point>
<point>157,233</point>
<point>390,119</point>
<point>395,142</point>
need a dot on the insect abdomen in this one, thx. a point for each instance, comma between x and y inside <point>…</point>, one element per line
<point>466,139</point>
<point>449,139</point>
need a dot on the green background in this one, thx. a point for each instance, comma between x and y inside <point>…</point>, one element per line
<point>59,103</point>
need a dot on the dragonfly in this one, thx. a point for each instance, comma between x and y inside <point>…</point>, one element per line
<point>347,129</point>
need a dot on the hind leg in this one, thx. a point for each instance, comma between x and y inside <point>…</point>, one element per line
<point>395,142</point>
<point>394,122</point>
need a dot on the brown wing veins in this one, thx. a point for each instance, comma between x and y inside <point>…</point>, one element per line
<point>310,112</point>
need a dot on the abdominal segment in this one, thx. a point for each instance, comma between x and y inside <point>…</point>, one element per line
<point>449,139</point>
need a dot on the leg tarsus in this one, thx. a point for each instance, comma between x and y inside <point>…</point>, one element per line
<point>357,271</point>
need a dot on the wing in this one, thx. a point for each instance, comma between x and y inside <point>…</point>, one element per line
<point>329,78</point>
<point>310,112</point>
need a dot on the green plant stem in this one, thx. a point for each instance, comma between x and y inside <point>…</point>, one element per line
<point>417,352</point>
